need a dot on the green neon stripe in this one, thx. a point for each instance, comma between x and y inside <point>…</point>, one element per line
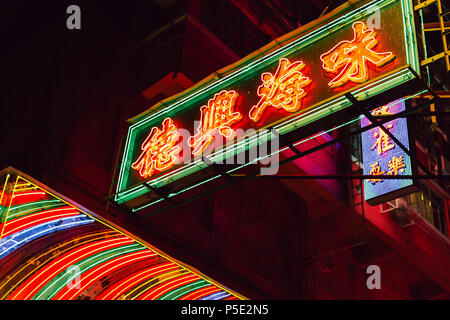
<point>410,36</point>
<point>185,289</point>
<point>64,278</point>
<point>36,207</point>
<point>147,285</point>
<point>147,205</point>
<point>425,47</point>
<point>36,203</point>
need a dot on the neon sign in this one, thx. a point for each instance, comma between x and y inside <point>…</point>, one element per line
<point>350,59</point>
<point>381,156</point>
<point>286,88</point>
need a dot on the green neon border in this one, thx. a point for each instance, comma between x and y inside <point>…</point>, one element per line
<point>323,110</point>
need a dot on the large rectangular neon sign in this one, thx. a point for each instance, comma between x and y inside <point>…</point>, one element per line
<point>286,89</point>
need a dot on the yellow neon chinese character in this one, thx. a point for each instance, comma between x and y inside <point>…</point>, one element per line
<point>383,141</point>
<point>376,171</point>
<point>396,165</point>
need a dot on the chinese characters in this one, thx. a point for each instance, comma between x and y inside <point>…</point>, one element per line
<point>284,89</point>
<point>159,152</point>
<point>382,141</point>
<point>382,145</point>
<point>216,117</point>
<point>396,165</point>
<point>376,171</point>
<point>349,60</point>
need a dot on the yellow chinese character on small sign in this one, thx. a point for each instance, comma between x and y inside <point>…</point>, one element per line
<point>396,165</point>
<point>383,141</point>
<point>376,171</point>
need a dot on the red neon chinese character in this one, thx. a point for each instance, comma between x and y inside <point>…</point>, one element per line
<point>383,141</point>
<point>396,165</point>
<point>376,171</point>
<point>349,59</point>
<point>282,89</point>
<point>159,152</point>
<point>217,116</point>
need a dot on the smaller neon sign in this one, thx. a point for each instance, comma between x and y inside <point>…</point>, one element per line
<point>381,156</point>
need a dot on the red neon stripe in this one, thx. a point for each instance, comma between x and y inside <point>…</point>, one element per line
<point>40,278</point>
<point>34,219</point>
<point>173,284</point>
<point>200,293</point>
<point>89,277</point>
<point>124,285</point>
<point>25,197</point>
<point>37,214</point>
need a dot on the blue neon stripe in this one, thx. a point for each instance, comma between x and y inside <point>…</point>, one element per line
<point>18,239</point>
<point>216,296</point>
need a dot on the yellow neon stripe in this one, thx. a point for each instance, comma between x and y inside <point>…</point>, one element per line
<point>50,258</point>
<point>143,244</point>
<point>193,278</point>
<point>164,277</point>
<point>25,189</point>
<point>140,274</point>
<point>24,184</point>
<point>60,268</point>
<point>140,255</point>
<point>9,206</point>
<point>3,190</point>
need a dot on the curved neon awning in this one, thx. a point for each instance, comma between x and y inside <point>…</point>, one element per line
<point>51,249</point>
